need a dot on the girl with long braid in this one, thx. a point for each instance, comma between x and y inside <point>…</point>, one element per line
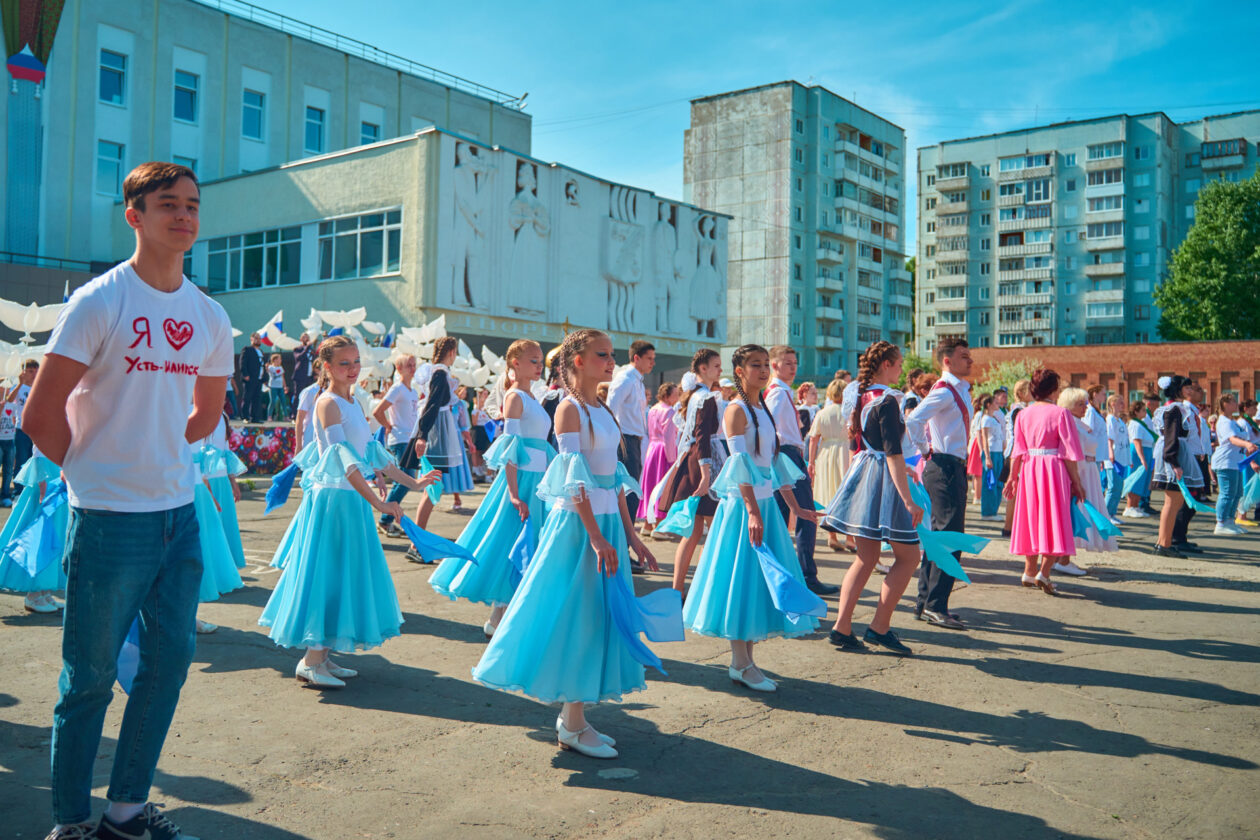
<point>559,640</point>
<point>730,597</point>
<point>437,436</point>
<point>521,455</point>
<point>336,592</point>
<point>701,457</point>
<point>874,504</point>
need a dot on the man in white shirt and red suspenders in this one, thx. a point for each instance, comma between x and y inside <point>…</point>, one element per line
<point>779,403</point>
<point>940,426</point>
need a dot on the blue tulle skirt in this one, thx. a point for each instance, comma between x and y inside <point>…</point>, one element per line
<point>557,641</point>
<point>221,489</point>
<point>868,505</point>
<point>293,534</point>
<point>218,570</point>
<point>336,590</point>
<point>490,536</point>
<point>729,597</point>
<point>13,576</point>
<point>458,479</point>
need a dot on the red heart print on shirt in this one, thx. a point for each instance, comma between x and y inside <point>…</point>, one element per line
<point>178,333</point>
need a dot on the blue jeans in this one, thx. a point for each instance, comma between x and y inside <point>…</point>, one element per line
<point>991,498</point>
<point>1113,487</point>
<point>1231,484</point>
<point>8,467</point>
<point>118,566</point>
<point>399,490</point>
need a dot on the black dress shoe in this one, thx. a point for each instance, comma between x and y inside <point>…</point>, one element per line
<point>1006,532</point>
<point>846,641</point>
<point>637,568</point>
<point>943,620</point>
<point>1160,551</point>
<point>819,588</point>
<point>1185,546</point>
<point>887,640</point>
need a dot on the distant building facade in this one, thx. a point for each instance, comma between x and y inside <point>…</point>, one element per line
<point>814,185</point>
<point>1060,234</point>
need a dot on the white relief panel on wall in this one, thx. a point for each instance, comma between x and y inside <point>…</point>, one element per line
<point>518,238</point>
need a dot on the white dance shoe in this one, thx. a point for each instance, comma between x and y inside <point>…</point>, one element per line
<point>1069,568</point>
<point>40,605</point>
<point>737,676</point>
<point>569,741</point>
<point>316,677</point>
<point>489,629</point>
<point>338,671</point>
<point>607,739</point>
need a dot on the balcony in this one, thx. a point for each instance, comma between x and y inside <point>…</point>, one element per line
<point>1025,174</point>
<point>1105,216</point>
<point>1215,164</point>
<point>1026,274</point>
<point>1101,190</point>
<point>1010,200</point>
<point>892,165</point>
<point>945,208</point>
<point>829,313</point>
<point>1094,320</point>
<point>1025,224</point>
<point>944,185</point>
<point>829,284</point>
<point>841,230</point>
<point>867,264</point>
<point>895,299</point>
<point>1025,299</point>
<point>1099,164</point>
<point>952,254</point>
<point>1025,250</point>
<point>1043,323</point>
<point>1105,296</point>
<point>1114,269</point>
<point>831,342</point>
<point>826,254</point>
<point>1104,243</point>
<point>952,328</point>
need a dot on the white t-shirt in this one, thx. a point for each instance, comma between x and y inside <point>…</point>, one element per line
<point>1228,455</point>
<point>144,350</point>
<point>306,402</point>
<point>276,380</point>
<point>1118,434</point>
<point>19,401</point>
<point>8,421</point>
<point>403,413</point>
<point>997,432</point>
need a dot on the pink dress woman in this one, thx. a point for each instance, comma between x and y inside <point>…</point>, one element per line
<point>661,454</point>
<point>1045,436</point>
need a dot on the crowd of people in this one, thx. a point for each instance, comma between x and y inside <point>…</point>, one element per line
<point>583,469</point>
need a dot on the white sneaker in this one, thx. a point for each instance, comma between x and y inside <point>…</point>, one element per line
<point>883,568</point>
<point>489,629</point>
<point>1135,513</point>
<point>205,628</point>
<point>1114,521</point>
<point>38,605</point>
<point>994,517</point>
<point>1228,529</point>
<point>1069,568</point>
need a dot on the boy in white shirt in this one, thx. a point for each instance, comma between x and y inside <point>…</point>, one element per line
<point>130,353</point>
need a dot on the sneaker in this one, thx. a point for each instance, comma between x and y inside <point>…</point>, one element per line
<point>82,831</point>
<point>887,640</point>
<point>38,605</point>
<point>414,556</point>
<point>1135,513</point>
<point>1114,521</point>
<point>1069,568</point>
<point>1228,529</point>
<point>205,628</point>
<point>883,568</point>
<point>149,824</point>
<point>1245,522</point>
<point>996,517</point>
<point>8,503</point>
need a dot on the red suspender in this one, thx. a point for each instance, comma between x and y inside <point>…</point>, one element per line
<point>962,407</point>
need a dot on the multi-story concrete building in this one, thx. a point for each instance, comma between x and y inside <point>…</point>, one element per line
<point>815,187</point>
<point>220,85</point>
<point>1060,234</point>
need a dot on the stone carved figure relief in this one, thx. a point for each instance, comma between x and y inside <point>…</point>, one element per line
<point>571,193</point>
<point>707,286</point>
<point>623,257</point>
<point>469,275</point>
<point>664,258</point>
<point>530,223</point>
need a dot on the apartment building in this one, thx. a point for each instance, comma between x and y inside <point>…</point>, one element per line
<point>222,86</point>
<point>1060,234</point>
<point>814,185</point>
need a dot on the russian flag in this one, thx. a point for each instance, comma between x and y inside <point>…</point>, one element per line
<point>388,340</point>
<point>278,321</point>
<point>65,294</point>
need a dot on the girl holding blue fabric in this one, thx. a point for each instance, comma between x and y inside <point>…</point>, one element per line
<point>990,429</point>
<point>220,468</point>
<point>560,640</point>
<point>1232,447</point>
<point>336,591</point>
<point>521,455</point>
<point>730,595</point>
<point>1141,458</point>
<point>38,476</point>
<point>219,574</point>
<point>437,438</point>
<point>1175,466</point>
<point>874,504</point>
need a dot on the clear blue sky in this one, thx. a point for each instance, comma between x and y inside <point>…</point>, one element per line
<point>609,84</point>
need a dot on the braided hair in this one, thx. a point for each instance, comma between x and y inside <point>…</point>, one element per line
<point>574,344</point>
<point>442,346</point>
<point>323,357</point>
<point>738,360</point>
<point>699,360</point>
<point>869,365</point>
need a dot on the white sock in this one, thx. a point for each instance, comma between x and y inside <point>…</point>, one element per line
<point>120,812</point>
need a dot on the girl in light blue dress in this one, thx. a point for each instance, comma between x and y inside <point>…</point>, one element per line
<point>219,575</point>
<point>336,591</point>
<point>220,468</point>
<point>733,594</point>
<point>570,633</point>
<point>39,477</point>
<point>521,456</point>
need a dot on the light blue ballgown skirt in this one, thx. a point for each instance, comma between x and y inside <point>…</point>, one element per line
<point>218,569</point>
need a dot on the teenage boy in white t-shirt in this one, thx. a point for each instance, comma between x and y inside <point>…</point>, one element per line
<point>133,350</point>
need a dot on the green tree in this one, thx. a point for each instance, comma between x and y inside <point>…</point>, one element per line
<point>1211,289</point>
<point>909,362</point>
<point>910,269</point>
<point>1005,373</point>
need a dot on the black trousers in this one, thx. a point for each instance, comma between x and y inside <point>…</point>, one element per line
<point>806,532</point>
<point>1181,525</point>
<point>631,454</point>
<point>252,408</point>
<point>945,479</point>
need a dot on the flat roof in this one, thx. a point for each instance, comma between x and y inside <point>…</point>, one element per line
<point>406,138</point>
<point>795,83</point>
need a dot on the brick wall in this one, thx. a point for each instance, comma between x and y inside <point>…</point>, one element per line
<point>1217,365</point>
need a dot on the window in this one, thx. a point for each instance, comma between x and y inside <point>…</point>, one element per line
<point>800,155</point>
<point>1069,288</point>
<point>826,132</point>
<point>1192,159</point>
<point>1098,230</point>
<point>931,180</point>
<point>1069,159</point>
<point>930,297</point>
<point>1009,340</point>
<point>800,214</point>
<point>255,260</point>
<point>252,103</point>
<point>1142,284</point>
<point>796,241</point>
<point>952,292</point>
<point>984,319</point>
<point>796,300</point>
<point>1142,232</point>
<point>1142,179</point>
<point>1223,148</point>
<point>800,126</point>
<point>1013,164</point>
<point>1016,188</point>
<point>825,220</point>
<point>314,130</point>
<point>1103,310</point>
<point>931,227</point>
<point>1142,259</point>
<point>1069,236</point>
<point>800,185</point>
<point>186,86</point>
<point>986,244</point>
<point>1141,152</point>
<point>1070,262</point>
<point>984,170</point>
<point>1106,176</point>
<point>986,219</point>
<point>191,163</point>
<point>952,170</point>
<point>113,76</point>
<point>1069,185</point>
<point>1106,150</point>
<point>930,203</point>
<point>360,246</point>
<point>369,133</point>
<point>984,270</point>
<point>109,168</point>
<point>1189,211</point>
<point>796,271</point>
<point>1141,313</point>
<point>1039,189</point>
<point>796,329</point>
<point>1107,202</point>
<point>826,160</point>
<point>986,195</point>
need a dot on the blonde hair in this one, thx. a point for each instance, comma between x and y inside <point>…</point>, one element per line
<point>1023,390</point>
<point>835,390</point>
<point>1069,397</point>
<point>275,359</point>
<point>400,357</point>
<point>324,355</point>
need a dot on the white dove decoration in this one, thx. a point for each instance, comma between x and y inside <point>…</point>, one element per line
<point>342,317</point>
<point>374,327</point>
<point>29,319</point>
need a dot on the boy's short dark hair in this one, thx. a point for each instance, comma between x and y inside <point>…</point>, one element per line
<point>641,347</point>
<point>947,346</point>
<point>151,177</point>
